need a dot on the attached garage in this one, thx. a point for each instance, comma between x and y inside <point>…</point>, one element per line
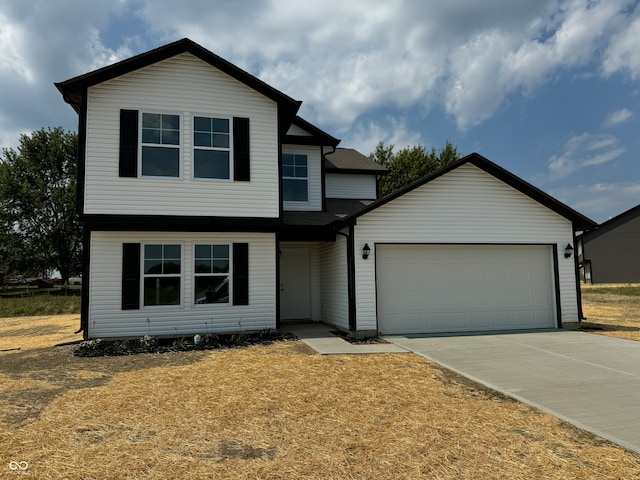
<point>469,248</point>
<point>461,288</point>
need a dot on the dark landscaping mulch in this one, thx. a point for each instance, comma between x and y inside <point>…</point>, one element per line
<point>349,337</point>
<point>148,344</point>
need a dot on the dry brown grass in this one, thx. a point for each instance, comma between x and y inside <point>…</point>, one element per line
<point>610,314</point>
<point>273,412</point>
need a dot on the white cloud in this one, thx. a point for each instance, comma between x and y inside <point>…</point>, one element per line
<point>600,201</point>
<point>618,117</point>
<point>496,63</point>
<point>343,59</point>
<point>11,45</point>
<point>583,151</point>
<point>44,42</point>
<point>392,131</point>
<point>623,52</point>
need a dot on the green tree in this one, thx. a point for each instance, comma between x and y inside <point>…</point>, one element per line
<point>39,227</point>
<point>410,164</point>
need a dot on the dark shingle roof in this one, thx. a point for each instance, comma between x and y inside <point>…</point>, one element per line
<point>337,209</point>
<point>348,160</point>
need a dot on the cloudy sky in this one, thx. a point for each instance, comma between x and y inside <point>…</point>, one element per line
<point>548,89</point>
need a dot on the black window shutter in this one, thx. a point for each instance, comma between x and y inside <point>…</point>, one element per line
<point>130,276</point>
<point>128,143</point>
<point>241,163</point>
<point>241,274</point>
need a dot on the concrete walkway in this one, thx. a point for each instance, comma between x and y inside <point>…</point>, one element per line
<point>319,337</point>
<point>591,381</point>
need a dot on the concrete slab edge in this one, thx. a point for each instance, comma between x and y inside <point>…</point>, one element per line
<point>558,415</point>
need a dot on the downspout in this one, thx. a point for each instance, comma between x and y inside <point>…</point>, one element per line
<point>351,297</point>
<point>84,298</point>
<point>278,253</point>
<point>576,269</point>
<point>323,175</point>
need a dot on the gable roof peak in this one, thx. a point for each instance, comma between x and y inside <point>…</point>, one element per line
<point>579,221</point>
<point>74,90</point>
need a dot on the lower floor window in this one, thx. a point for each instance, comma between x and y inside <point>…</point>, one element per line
<point>162,279</point>
<point>211,267</point>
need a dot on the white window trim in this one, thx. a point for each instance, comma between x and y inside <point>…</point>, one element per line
<point>144,275</point>
<point>307,179</point>
<point>229,274</point>
<point>179,147</point>
<point>193,148</point>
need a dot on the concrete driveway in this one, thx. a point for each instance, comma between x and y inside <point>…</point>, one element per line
<point>589,380</point>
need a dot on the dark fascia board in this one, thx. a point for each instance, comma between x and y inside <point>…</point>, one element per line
<point>579,221</point>
<point>316,137</point>
<point>612,223</point>
<point>355,170</point>
<point>303,140</point>
<point>74,89</point>
<point>175,223</point>
<point>303,233</point>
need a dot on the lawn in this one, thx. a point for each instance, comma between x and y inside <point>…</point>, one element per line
<point>29,301</point>
<point>612,311</point>
<point>269,412</point>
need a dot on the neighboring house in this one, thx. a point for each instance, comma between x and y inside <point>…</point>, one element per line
<point>209,206</point>
<point>610,254</point>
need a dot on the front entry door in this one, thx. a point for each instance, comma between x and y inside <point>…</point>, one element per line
<point>295,285</point>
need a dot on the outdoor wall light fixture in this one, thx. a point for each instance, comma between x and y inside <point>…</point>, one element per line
<point>568,250</point>
<point>366,251</point>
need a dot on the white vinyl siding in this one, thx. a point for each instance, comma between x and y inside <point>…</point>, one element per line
<point>203,90</point>
<point>334,284</point>
<point>314,177</point>
<point>350,185</point>
<point>107,319</point>
<point>465,206</point>
<point>297,131</point>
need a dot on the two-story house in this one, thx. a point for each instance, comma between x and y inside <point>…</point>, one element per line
<point>209,206</point>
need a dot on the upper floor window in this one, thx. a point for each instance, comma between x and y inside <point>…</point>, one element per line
<point>160,145</point>
<point>295,179</point>
<point>212,148</point>
<point>151,144</point>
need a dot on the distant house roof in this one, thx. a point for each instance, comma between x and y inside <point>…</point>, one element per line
<point>348,160</point>
<point>74,90</point>
<point>613,223</point>
<point>579,221</point>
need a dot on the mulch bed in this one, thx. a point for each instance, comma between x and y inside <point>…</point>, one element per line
<point>149,344</point>
<point>351,338</point>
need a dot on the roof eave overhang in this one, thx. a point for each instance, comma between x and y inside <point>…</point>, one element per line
<point>74,89</point>
<point>316,136</point>
<point>308,140</point>
<point>356,170</point>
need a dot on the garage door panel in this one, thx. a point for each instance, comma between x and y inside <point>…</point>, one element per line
<point>456,288</point>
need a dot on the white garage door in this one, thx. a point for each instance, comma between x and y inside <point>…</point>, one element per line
<point>459,288</point>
